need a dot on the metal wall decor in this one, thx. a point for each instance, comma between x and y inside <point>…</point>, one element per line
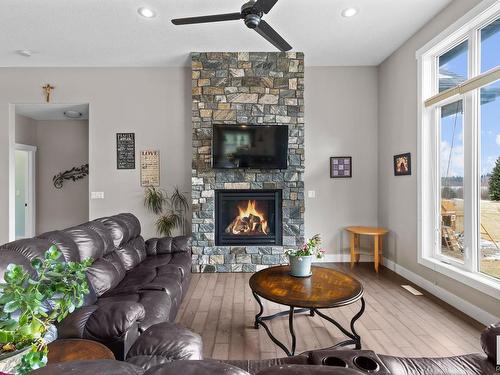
<point>75,173</point>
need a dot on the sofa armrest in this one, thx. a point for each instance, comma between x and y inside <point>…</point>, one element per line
<point>113,319</point>
<point>168,245</point>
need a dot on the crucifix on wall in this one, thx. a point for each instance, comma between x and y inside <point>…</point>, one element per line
<point>47,89</point>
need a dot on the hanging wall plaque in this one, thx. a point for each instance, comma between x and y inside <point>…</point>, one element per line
<point>125,150</point>
<point>150,168</point>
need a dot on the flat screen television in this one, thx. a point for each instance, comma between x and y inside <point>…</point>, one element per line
<point>250,146</point>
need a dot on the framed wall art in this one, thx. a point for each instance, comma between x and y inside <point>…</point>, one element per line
<point>340,167</point>
<point>150,168</point>
<point>402,164</point>
<point>125,150</point>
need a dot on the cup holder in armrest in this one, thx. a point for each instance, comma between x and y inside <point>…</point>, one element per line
<point>366,363</point>
<point>334,361</point>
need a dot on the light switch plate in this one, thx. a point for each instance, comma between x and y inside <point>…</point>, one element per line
<point>311,193</point>
<point>97,195</point>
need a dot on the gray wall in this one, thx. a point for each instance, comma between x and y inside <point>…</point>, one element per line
<point>25,130</point>
<point>341,120</point>
<point>397,196</point>
<point>153,103</point>
<point>61,145</point>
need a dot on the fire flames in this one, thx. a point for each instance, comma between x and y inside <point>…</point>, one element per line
<point>249,221</point>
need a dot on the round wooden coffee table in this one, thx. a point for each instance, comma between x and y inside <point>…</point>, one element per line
<point>325,289</point>
<point>68,350</point>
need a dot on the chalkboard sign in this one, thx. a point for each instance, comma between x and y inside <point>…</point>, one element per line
<point>125,150</point>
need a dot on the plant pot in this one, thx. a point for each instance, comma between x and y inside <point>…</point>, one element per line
<point>9,361</point>
<point>300,266</point>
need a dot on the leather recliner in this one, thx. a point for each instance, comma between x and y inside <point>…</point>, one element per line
<point>159,357</point>
<point>134,283</point>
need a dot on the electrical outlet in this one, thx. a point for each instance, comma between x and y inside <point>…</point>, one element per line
<point>97,195</point>
<point>311,194</point>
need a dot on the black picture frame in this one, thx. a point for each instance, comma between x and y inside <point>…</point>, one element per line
<point>402,164</point>
<point>337,162</point>
<point>125,150</point>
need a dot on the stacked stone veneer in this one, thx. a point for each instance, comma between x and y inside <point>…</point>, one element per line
<point>246,88</point>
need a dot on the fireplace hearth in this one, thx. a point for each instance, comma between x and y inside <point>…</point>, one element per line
<point>248,217</point>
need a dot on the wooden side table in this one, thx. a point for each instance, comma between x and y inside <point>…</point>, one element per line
<point>376,233</point>
<point>67,350</point>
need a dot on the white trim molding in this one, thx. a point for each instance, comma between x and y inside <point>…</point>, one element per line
<point>460,304</point>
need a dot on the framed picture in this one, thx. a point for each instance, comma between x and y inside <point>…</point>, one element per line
<point>340,167</point>
<point>125,150</point>
<point>402,164</point>
<point>150,168</point>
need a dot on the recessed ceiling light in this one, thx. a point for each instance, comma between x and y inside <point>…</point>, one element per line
<point>146,12</point>
<point>73,114</point>
<point>349,12</point>
<point>24,52</point>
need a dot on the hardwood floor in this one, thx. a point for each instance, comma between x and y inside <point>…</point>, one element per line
<point>221,308</point>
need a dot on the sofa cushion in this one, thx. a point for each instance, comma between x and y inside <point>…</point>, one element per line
<point>157,305</point>
<point>489,342</point>
<point>13,257</point>
<point>155,261</point>
<point>64,243</point>
<point>89,243</point>
<point>181,244</point>
<point>103,233</point>
<point>132,253</point>
<point>104,276</point>
<point>108,367</point>
<point>183,260</point>
<point>197,368</point>
<point>31,248</point>
<point>169,340</point>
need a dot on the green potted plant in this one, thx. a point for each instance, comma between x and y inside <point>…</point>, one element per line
<point>300,259</point>
<point>172,209</point>
<point>29,307</point>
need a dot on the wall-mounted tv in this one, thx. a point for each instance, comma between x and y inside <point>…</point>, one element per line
<point>250,146</point>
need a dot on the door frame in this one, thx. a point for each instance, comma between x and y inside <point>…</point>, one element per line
<point>31,195</point>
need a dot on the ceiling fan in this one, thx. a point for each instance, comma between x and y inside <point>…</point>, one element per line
<point>252,13</point>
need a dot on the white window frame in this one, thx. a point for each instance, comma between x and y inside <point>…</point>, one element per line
<point>428,168</point>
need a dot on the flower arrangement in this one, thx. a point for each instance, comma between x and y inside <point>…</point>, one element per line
<point>30,305</point>
<point>310,248</point>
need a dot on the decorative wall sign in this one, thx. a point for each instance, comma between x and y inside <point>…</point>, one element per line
<point>341,167</point>
<point>150,168</point>
<point>402,164</point>
<point>125,150</point>
<point>75,173</point>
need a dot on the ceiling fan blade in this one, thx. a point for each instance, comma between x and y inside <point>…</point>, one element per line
<point>264,5</point>
<point>203,19</point>
<point>265,30</point>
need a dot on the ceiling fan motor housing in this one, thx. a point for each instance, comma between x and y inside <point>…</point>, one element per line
<point>250,15</point>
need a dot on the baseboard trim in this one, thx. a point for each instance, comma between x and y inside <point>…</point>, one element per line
<point>342,258</point>
<point>464,306</point>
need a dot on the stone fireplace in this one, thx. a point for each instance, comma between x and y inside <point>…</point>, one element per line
<point>243,219</point>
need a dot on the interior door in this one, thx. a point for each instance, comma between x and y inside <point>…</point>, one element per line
<point>24,193</point>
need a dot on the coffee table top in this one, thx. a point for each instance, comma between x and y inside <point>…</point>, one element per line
<point>325,288</point>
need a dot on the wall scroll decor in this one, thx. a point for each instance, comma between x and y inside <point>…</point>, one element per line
<point>341,167</point>
<point>150,168</point>
<point>402,164</point>
<point>125,150</point>
<point>75,173</point>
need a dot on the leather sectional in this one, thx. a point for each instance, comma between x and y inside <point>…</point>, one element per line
<point>134,283</point>
<point>136,289</point>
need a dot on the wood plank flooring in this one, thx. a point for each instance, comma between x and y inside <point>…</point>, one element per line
<point>221,308</point>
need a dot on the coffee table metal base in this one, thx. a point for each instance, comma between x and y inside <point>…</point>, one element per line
<point>354,338</point>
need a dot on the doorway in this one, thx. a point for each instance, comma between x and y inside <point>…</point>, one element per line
<point>48,142</point>
<point>25,201</point>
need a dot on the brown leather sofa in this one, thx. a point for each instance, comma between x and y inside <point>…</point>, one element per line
<point>318,362</point>
<point>134,284</point>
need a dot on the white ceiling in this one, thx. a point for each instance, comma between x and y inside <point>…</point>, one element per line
<point>46,112</point>
<point>111,33</point>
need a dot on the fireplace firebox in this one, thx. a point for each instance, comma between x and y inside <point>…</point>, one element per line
<point>248,217</point>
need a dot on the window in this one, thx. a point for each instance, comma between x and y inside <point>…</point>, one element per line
<point>459,150</point>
